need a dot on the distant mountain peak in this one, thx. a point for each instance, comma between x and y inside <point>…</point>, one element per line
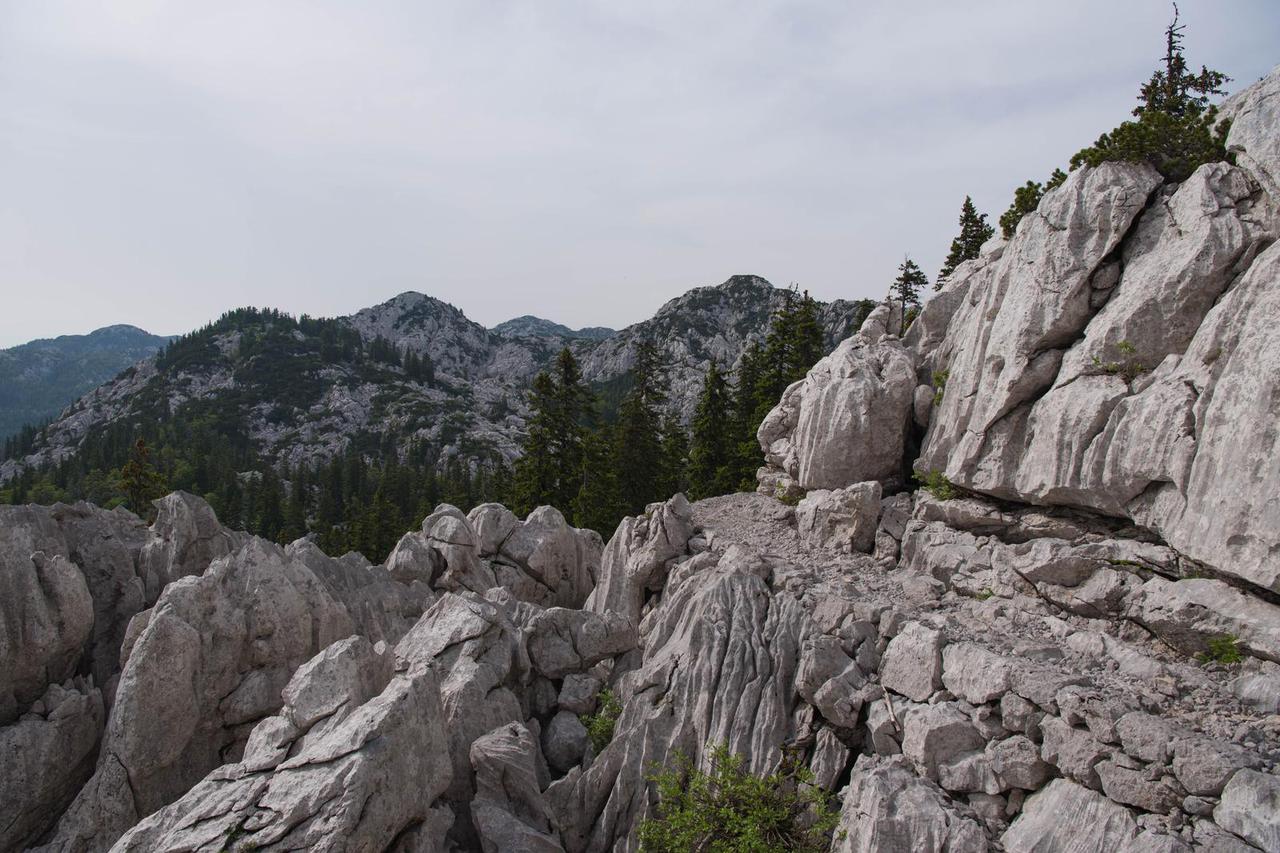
<point>529,326</point>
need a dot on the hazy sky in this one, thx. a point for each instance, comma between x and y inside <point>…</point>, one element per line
<point>161,162</point>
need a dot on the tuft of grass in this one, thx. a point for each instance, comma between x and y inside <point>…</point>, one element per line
<point>1224,649</point>
<point>600,725</point>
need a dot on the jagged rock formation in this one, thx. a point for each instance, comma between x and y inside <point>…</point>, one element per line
<point>1006,664</point>
<point>303,397</point>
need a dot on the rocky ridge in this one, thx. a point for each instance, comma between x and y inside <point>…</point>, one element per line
<point>38,379</point>
<point>302,402</point>
<point>1019,658</point>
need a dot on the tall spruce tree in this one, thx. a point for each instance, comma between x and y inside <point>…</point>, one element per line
<point>906,288</point>
<point>1176,130</point>
<point>974,231</point>
<point>638,439</point>
<point>598,504</point>
<point>140,481</point>
<point>535,476</point>
<point>674,477</point>
<point>711,450</point>
<point>573,403</point>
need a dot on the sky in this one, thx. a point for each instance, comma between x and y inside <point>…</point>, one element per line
<point>162,162</point>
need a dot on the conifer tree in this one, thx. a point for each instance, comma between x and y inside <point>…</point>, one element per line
<point>535,475</point>
<point>974,231</point>
<point>711,450</point>
<point>745,452</point>
<point>572,404</point>
<point>638,441</point>
<point>1176,130</point>
<point>598,504</point>
<point>140,481</point>
<point>675,459</point>
<point>906,288</point>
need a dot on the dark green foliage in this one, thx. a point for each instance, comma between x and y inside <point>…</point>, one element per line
<point>974,231</point>
<point>674,478</point>
<point>601,724</point>
<point>1026,199</point>
<point>1176,130</point>
<point>550,468</point>
<point>140,481</point>
<point>711,453</point>
<point>598,504</point>
<point>937,484</point>
<point>906,288</point>
<point>638,438</point>
<point>729,810</point>
<point>1224,649</point>
<point>792,345</point>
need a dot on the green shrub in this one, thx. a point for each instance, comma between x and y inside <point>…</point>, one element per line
<point>1128,367</point>
<point>940,383</point>
<point>729,810</point>
<point>600,724</point>
<point>937,484</point>
<point>1223,649</point>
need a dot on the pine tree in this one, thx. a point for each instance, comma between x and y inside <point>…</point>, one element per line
<point>140,481</point>
<point>638,440</point>
<point>674,477</point>
<point>573,402</point>
<point>906,288</point>
<point>598,504</point>
<point>792,345</point>
<point>1176,130</point>
<point>974,231</point>
<point>711,450</point>
<point>745,452</point>
<point>534,480</point>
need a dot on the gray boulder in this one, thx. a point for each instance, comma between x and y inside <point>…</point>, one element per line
<point>846,421</point>
<point>509,811</point>
<point>1250,808</point>
<point>47,755</point>
<point>1065,817</point>
<point>841,519</point>
<point>212,660</point>
<point>329,772</point>
<point>888,807</point>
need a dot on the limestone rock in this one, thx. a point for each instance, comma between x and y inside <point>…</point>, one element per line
<point>973,673</point>
<point>481,661</point>
<point>843,519</point>
<point>846,421</point>
<point>1188,613</point>
<point>563,641</point>
<point>1063,816</point>
<point>1250,808</point>
<point>45,759</point>
<point>564,742</point>
<point>186,539</point>
<point>509,810</point>
<point>337,784</point>
<point>214,656</point>
<point>888,807</point>
<point>912,664</point>
<point>639,555</point>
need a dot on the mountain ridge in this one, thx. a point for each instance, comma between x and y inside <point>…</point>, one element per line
<point>39,378</point>
<point>302,389</point>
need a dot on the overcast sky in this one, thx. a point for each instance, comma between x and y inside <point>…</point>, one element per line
<point>161,162</point>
